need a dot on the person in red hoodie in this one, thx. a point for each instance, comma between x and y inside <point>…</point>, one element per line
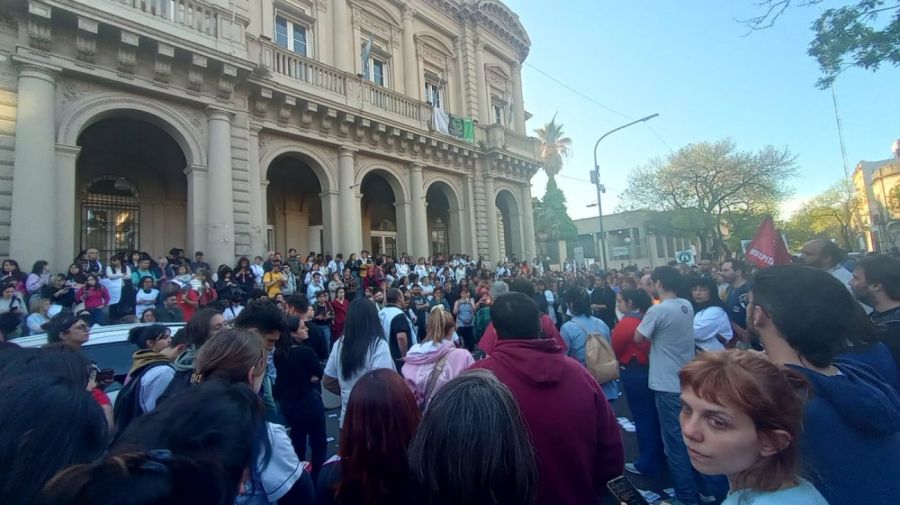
<point>576,438</point>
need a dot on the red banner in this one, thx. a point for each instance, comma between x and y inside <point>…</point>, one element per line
<point>767,247</point>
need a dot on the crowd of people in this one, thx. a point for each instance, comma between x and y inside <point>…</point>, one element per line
<point>459,383</point>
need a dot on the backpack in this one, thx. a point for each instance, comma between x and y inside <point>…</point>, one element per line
<point>128,403</point>
<point>599,358</point>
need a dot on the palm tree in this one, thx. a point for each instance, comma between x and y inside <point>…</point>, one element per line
<point>554,146</point>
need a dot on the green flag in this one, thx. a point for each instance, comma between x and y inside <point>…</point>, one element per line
<point>462,127</point>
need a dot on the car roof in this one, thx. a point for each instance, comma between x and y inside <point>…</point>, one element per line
<point>99,334</point>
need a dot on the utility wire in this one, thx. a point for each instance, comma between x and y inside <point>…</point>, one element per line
<point>599,104</point>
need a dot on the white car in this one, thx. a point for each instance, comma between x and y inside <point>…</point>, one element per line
<point>108,347</point>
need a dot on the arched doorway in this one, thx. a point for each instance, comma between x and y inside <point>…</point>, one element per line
<point>294,206</point>
<point>444,219</point>
<point>510,224</point>
<point>131,188</point>
<point>379,215</point>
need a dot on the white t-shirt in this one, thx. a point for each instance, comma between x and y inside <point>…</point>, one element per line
<point>708,323</point>
<point>145,301</point>
<point>379,356</point>
<point>271,482</point>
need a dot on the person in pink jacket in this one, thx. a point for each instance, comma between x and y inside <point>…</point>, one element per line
<point>95,297</point>
<point>435,360</point>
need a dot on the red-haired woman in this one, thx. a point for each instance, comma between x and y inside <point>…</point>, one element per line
<point>371,467</point>
<point>741,417</point>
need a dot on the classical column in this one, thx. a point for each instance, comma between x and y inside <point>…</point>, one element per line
<point>351,221</point>
<point>410,65</point>
<point>343,43</point>
<point>30,237</point>
<point>64,194</point>
<point>257,211</point>
<point>528,252</point>
<point>419,232</point>
<point>470,243</point>
<point>518,101</point>
<point>483,106</point>
<point>197,211</point>
<point>220,202</point>
<point>493,235</point>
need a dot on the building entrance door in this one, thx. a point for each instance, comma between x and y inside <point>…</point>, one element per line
<point>384,243</point>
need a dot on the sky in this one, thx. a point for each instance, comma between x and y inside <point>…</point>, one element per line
<point>695,65</point>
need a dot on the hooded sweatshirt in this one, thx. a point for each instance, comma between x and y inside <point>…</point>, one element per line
<point>576,439</point>
<point>152,382</point>
<point>851,436</point>
<point>421,361</point>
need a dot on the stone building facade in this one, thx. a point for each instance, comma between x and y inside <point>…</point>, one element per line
<point>876,209</point>
<point>237,126</point>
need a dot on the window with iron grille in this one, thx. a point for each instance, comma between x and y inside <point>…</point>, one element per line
<point>110,217</point>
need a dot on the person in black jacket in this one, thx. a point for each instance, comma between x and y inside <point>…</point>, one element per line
<point>603,300</point>
<point>298,392</point>
<point>298,306</point>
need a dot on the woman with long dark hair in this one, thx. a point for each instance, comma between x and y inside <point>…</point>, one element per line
<point>13,274</point>
<point>712,327</point>
<point>362,348</point>
<point>48,422</point>
<point>298,394</point>
<point>371,465</point>
<point>243,275</point>
<point>38,278</point>
<point>95,297</point>
<point>209,423</point>
<point>475,424</point>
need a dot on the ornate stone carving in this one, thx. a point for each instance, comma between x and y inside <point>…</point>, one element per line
<point>286,109</point>
<point>162,66</point>
<point>309,112</point>
<point>261,104</point>
<point>127,57</point>
<point>225,86</point>
<point>196,71</point>
<point>86,39</point>
<point>40,33</point>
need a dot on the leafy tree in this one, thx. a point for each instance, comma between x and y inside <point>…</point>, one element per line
<point>551,218</point>
<point>555,147</point>
<point>828,215</point>
<point>711,182</point>
<point>864,34</point>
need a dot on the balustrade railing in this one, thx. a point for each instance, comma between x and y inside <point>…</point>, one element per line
<point>190,14</point>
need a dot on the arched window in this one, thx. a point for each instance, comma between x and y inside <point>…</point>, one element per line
<point>110,217</point>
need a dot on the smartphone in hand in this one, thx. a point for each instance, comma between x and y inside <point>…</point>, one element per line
<point>625,492</point>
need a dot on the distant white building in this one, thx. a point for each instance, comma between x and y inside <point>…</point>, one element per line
<point>630,240</point>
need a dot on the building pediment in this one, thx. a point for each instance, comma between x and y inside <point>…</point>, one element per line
<point>505,23</point>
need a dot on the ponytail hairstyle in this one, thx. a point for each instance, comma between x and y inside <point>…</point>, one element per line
<point>229,355</point>
<point>439,324</point>
<point>772,396</point>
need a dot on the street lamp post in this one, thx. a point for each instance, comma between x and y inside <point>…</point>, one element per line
<point>595,178</point>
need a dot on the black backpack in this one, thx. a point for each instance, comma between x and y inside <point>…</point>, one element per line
<point>128,402</point>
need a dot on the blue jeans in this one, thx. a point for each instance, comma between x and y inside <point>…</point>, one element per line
<point>651,458</point>
<point>688,482</point>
